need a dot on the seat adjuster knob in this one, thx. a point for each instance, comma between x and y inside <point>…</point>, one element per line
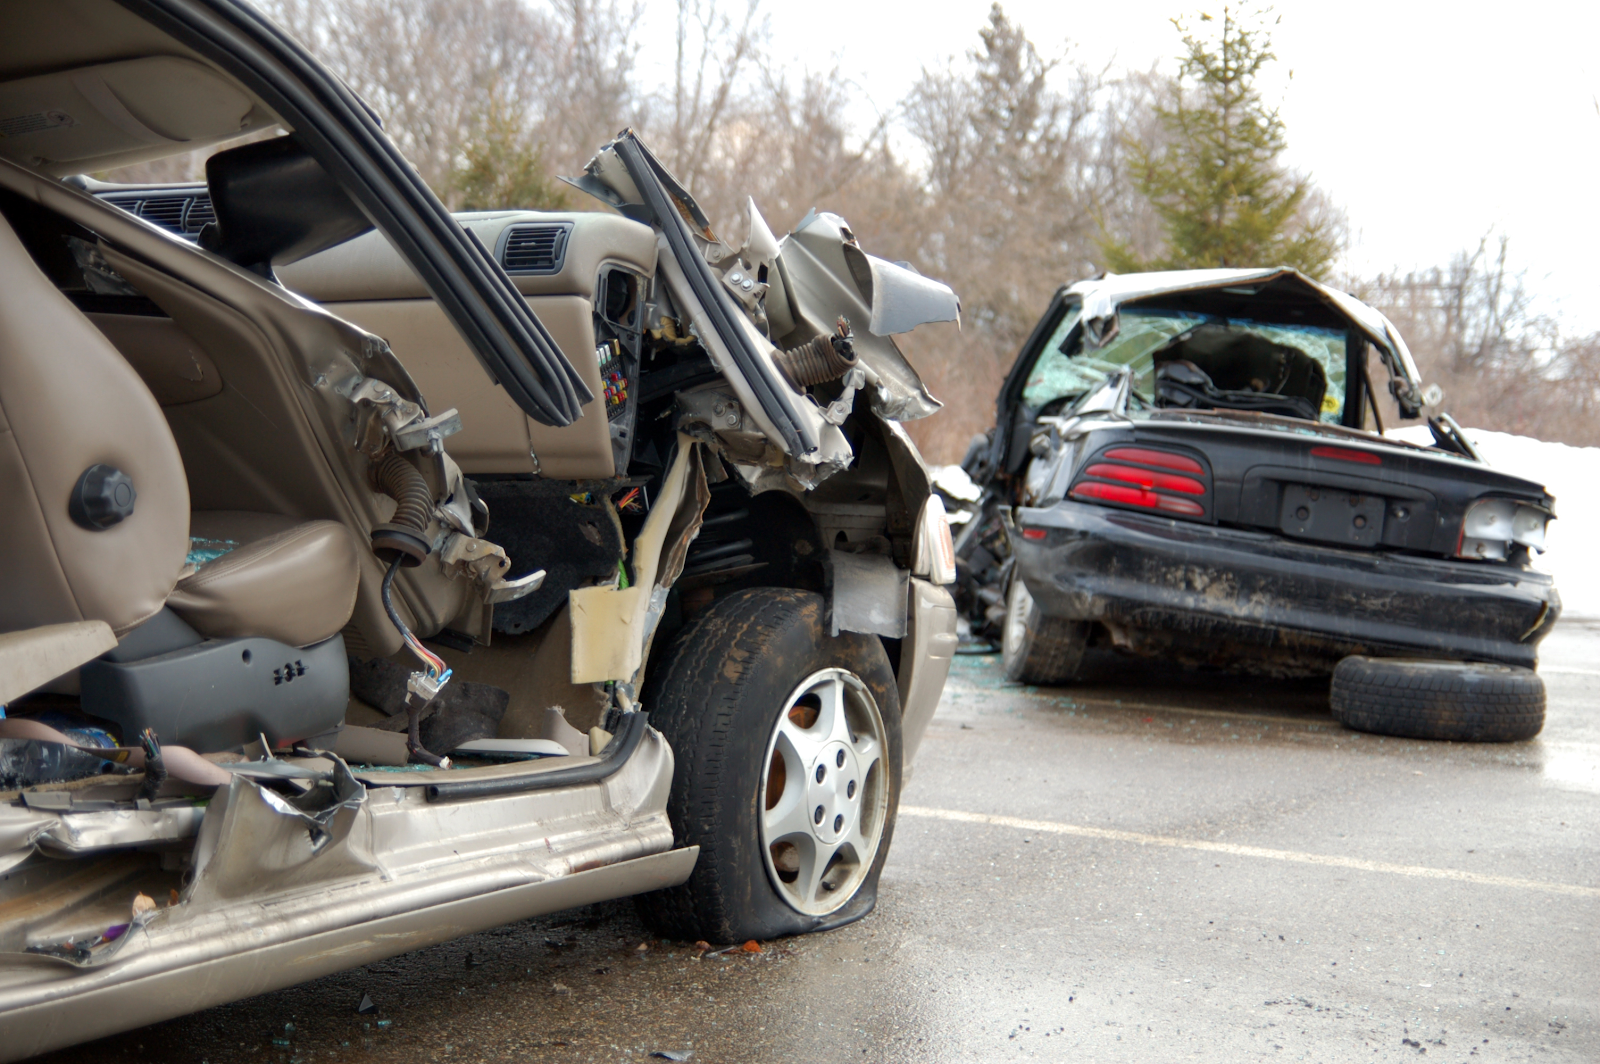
<point>102,497</point>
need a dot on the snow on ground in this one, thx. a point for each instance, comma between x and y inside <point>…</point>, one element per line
<point>1571,475</point>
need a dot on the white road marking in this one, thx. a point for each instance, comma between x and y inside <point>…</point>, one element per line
<point>1103,704</point>
<point>1570,672</point>
<point>1178,711</point>
<point>1233,849</point>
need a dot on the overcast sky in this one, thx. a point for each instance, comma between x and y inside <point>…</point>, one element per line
<point>1430,123</point>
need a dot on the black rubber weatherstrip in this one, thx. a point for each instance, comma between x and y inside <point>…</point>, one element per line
<point>641,167</point>
<point>613,757</point>
<point>342,133</point>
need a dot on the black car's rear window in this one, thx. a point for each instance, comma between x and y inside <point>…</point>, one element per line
<point>1069,367</point>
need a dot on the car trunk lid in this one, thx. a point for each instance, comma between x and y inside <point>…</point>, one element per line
<point>1335,485</point>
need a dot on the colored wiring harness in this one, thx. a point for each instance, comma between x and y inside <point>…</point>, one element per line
<point>427,683</point>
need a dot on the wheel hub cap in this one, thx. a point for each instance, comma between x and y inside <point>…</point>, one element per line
<point>833,791</point>
<point>825,796</point>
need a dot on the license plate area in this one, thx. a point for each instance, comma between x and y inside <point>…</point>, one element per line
<point>1332,515</point>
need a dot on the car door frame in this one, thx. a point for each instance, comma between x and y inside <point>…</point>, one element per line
<point>342,133</point>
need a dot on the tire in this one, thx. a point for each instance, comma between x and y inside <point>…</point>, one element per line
<point>754,698</point>
<point>1471,702</point>
<point>1036,648</point>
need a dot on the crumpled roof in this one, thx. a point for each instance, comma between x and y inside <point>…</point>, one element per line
<point>1102,296</point>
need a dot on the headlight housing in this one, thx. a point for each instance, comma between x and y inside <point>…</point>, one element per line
<point>1492,526</point>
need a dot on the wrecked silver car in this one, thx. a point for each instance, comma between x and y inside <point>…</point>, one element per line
<point>1191,467</point>
<point>376,576</point>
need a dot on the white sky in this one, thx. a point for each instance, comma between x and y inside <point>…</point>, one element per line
<point>1430,123</point>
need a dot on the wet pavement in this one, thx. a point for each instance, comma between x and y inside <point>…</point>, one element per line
<point>1148,867</point>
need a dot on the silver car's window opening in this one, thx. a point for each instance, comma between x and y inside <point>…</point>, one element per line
<point>1068,367</point>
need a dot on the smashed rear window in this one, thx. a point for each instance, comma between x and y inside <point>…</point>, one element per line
<point>1238,357</point>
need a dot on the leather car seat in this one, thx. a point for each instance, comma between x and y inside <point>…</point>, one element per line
<point>69,402</point>
<point>77,423</point>
<point>279,577</point>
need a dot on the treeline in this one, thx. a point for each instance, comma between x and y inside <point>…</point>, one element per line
<point>1006,173</point>
<point>1475,330</point>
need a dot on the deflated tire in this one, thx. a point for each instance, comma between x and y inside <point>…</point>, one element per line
<point>787,754</point>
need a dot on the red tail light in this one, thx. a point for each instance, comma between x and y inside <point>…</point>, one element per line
<point>1160,459</point>
<point>1137,497</point>
<point>1346,455</point>
<point>1147,478</point>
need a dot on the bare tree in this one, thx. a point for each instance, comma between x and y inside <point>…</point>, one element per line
<point>715,61</point>
<point>589,93</point>
<point>1473,328</point>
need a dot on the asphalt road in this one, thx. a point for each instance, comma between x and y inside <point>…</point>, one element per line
<point>1147,868</point>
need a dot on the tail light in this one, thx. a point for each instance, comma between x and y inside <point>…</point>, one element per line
<point>1491,526</point>
<point>1146,478</point>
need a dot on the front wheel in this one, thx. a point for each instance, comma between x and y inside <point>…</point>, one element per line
<point>787,775</point>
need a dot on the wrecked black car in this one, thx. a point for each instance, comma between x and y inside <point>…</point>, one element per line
<point>1190,466</point>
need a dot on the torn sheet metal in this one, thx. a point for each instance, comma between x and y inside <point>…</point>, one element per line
<point>94,954</point>
<point>76,834</point>
<point>869,595</point>
<point>255,840</point>
<point>827,276</point>
<point>740,302</point>
<point>902,298</point>
<point>85,830</point>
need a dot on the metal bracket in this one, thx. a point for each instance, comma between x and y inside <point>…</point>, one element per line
<point>841,407</point>
<point>428,432</point>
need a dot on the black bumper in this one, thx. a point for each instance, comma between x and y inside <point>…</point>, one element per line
<point>1161,582</point>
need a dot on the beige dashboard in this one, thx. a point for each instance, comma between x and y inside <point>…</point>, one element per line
<point>367,282</point>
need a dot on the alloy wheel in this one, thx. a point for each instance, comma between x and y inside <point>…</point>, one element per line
<point>825,794</point>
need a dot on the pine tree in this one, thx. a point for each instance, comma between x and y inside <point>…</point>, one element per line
<point>1216,183</point>
<point>503,167</point>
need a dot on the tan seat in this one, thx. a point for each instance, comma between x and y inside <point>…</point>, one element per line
<point>69,401</point>
<point>281,578</point>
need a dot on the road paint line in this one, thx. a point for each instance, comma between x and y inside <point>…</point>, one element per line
<point>1569,672</point>
<point>1171,711</point>
<point>1053,827</point>
<point>1175,711</point>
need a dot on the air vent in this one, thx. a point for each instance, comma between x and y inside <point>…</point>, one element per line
<point>126,203</point>
<point>200,213</point>
<point>534,248</point>
<point>165,211</point>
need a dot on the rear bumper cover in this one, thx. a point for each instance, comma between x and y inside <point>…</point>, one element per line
<point>1200,584</point>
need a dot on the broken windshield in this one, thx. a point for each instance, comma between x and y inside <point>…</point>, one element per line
<point>1235,356</point>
